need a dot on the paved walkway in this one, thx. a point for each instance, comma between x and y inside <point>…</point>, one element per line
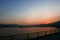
<point>55,36</point>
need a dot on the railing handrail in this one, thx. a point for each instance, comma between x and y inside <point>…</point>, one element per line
<point>31,33</point>
<point>26,33</point>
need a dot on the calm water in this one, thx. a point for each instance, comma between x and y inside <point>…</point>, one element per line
<point>14,31</point>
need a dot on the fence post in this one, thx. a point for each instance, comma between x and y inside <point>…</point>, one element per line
<point>45,32</point>
<point>51,31</point>
<point>37,34</point>
<point>11,37</point>
<point>27,36</point>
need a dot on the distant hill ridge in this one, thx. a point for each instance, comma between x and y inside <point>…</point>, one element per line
<point>55,24</point>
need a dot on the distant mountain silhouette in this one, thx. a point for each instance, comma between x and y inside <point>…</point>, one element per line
<point>9,25</point>
<point>55,24</point>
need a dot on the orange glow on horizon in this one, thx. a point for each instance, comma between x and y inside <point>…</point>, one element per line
<point>47,22</point>
<point>51,20</point>
<point>31,22</point>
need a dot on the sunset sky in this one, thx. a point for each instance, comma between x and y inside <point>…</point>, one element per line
<point>27,12</point>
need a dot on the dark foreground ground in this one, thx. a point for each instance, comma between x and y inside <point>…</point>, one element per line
<point>55,36</point>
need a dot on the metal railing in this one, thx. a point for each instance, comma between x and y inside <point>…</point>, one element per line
<point>29,35</point>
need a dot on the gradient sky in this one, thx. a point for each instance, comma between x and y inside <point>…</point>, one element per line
<point>29,11</point>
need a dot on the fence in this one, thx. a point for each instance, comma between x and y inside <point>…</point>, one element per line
<point>29,35</point>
